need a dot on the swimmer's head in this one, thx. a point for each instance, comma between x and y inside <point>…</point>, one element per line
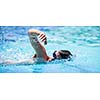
<point>62,54</point>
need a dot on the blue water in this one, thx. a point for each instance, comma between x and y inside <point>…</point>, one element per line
<point>82,41</point>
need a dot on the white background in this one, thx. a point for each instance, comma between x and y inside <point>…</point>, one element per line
<point>49,12</point>
<point>50,86</point>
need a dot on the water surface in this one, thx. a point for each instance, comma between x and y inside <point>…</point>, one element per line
<point>82,41</point>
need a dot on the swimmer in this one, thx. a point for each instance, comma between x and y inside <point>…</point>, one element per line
<point>41,54</point>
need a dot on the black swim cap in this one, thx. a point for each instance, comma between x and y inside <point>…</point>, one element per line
<point>65,54</point>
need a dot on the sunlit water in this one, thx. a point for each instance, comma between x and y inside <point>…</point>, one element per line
<point>83,42</point>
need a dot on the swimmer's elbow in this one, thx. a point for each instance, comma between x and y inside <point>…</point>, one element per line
<point>30,31</point>
<point>33,31</point>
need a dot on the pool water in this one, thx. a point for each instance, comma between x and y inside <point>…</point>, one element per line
<point>82,41</point>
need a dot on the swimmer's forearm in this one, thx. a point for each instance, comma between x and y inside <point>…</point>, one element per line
<point>26,61</point>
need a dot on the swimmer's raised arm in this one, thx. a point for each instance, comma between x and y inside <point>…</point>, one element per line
<point>38,47</point>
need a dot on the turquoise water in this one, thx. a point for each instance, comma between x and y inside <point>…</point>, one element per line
<point>82,41</point>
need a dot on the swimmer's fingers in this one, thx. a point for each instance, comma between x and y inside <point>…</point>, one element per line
<point>43,38</point>
<point>42,35</point>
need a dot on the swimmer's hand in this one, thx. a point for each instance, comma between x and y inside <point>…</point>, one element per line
<point>41,35</point>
